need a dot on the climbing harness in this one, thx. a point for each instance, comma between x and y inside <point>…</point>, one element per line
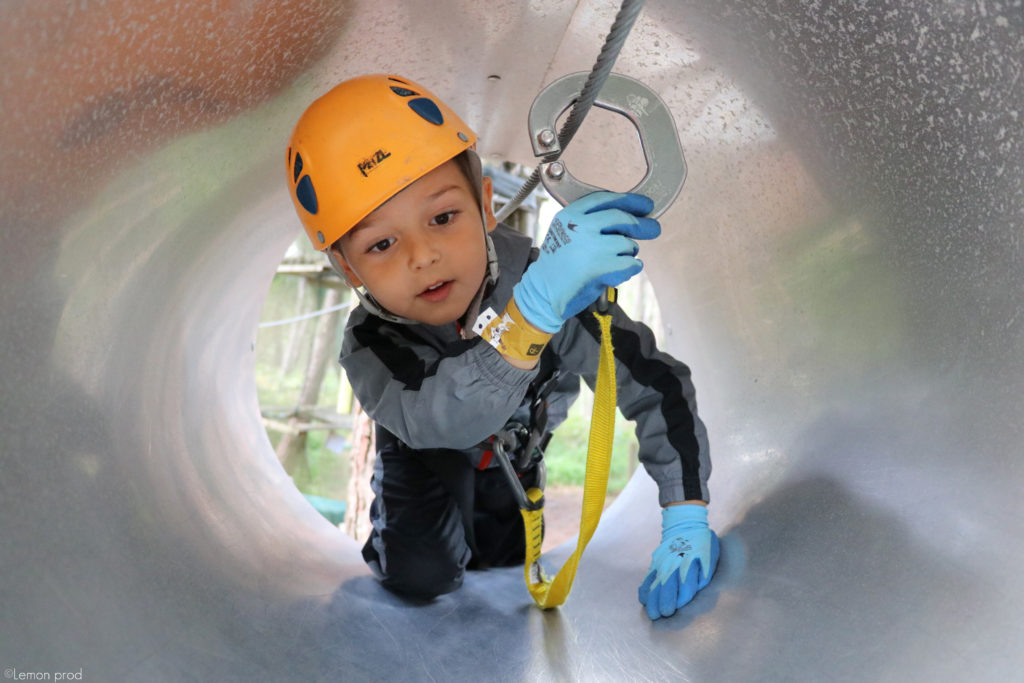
<point>666,172</point>
<point>508,445</point>
<point>520,447</point>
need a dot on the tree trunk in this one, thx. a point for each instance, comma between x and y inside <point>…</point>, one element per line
<point>362,455</point>
<point>291,450</point>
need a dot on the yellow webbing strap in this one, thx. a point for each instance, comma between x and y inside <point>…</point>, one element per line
<point>547,592</point>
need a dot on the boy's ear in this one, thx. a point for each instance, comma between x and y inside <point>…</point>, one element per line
<point>488,188</point>
<point>339,261</point>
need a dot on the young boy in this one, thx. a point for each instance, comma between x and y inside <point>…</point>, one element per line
<point>465,330</point>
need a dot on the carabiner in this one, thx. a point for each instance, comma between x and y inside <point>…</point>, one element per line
<point>666,166</point>
<point>506,439</point>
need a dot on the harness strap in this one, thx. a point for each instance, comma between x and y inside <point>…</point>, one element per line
<point>538,435</point>
<point>547,592</point>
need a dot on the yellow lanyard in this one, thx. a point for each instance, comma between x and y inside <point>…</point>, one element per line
<point>547,592</point>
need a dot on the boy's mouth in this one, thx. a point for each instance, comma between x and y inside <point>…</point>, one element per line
<point>437,292</point>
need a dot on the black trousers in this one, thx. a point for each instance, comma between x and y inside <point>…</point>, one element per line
<point>434,515</point>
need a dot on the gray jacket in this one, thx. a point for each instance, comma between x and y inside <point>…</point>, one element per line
<point>433,389</point>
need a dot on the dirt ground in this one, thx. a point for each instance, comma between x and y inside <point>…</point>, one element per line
<point>562,506</point>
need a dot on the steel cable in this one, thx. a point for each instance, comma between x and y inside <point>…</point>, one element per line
<point>629,10</point>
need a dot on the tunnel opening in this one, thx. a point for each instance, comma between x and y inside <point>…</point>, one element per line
<point>314,423</point>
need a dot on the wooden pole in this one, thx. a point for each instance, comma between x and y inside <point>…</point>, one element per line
<point>291,450</point>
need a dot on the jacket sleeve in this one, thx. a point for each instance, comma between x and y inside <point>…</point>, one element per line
<point>427,393</point>
<point>655,391</point>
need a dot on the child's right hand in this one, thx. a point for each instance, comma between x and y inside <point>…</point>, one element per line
<point>589,246</point>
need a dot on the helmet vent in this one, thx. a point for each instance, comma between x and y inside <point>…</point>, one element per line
<point>306,195</point>
<point>427,109</point>
<point>298,168</point>
<point>404,92</point>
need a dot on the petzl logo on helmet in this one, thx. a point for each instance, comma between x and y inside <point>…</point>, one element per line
<point>371,162</point>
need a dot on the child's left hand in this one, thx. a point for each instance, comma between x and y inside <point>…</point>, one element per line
<point>683,563</point>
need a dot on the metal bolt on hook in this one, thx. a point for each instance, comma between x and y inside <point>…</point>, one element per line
<point>555,170</point>
<point>546,137</point>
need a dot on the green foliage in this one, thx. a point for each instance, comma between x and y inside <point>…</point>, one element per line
<point>328,471</point>
<point>566,457</point>
<point>274,389</point>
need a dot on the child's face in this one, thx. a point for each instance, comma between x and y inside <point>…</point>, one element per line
<point>422,254</point>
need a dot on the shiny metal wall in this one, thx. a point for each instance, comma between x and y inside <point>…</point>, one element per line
<point>844,271</point>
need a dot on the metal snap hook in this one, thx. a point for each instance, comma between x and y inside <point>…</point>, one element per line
<point>666,167</point>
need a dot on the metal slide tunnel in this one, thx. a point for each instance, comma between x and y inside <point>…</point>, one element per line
<point>844,272</point>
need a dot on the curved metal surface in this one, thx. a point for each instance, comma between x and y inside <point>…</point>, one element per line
<point>843,272</point>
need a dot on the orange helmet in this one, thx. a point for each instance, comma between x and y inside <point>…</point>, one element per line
<point>362,142</point>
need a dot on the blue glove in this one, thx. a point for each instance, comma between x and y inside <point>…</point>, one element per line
<point>683,563</point>
<point>588,247</point>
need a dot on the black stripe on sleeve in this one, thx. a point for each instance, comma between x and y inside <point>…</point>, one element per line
<point>402,360</point>
<point>663,379</point>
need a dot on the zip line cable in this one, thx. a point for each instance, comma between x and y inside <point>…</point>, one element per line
<point>623,24</point>
<point>306,316</point>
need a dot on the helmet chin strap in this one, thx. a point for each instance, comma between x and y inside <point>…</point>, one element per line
<point>470,162</point>
<point>365,298</point>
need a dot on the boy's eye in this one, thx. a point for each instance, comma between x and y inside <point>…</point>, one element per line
<point>443,218</point>
<point>382,245</point>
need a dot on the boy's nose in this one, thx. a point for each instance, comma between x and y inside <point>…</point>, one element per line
<point>424,252</point>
